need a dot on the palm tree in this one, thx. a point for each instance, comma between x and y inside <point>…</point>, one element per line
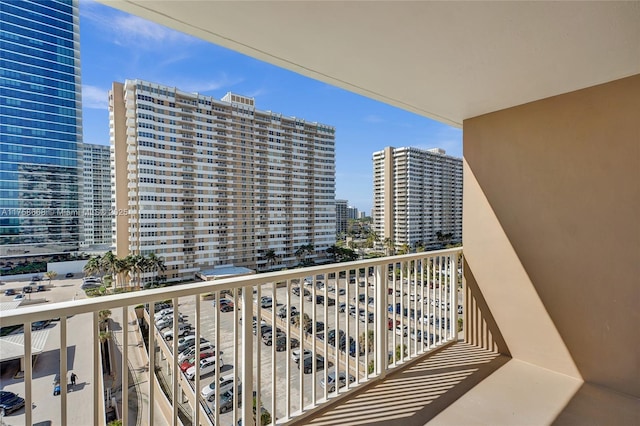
<point>302,252</point>
<point>390,245</point>
<point>50,275</point>
<point>404,249</point>
<point>306,321</point>
<point>108,263</point>
<point>138,264</point>
<point>123,266</point>
<point>93,266</point>
<point>270,256</point>
<point>370,342</point>
<point>333,252</point>
<point>156,264</point>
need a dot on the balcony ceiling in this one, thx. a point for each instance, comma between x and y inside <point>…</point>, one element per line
<point>445,60</point>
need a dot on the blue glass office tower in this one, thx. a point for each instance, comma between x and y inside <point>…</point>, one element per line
<point>40,130</point>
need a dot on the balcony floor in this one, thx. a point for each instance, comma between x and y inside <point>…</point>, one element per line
<point>417,393</point>
<point>466,385</point>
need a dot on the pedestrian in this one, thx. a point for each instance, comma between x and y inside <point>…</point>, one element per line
<point>73,379</point>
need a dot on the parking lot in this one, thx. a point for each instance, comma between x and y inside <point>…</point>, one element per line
<point>336,316</point>
<point>46,406</point>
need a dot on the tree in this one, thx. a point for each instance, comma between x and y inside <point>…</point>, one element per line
<point>123,266</point>
<point>333,252</point>
<point>50,275</point>
<point>270,256</point>
<point>404,249</point>
<point>443,238</point>
<point>370,342</point>
<point>93,266</point>
<point>306,321</point>
<point>104,315</point>
<point>156,264</point>
<point>302,252</point>
<point>341,254</point>
<point>390,245</point>
<point>139,264</point>
<point>109,262</point>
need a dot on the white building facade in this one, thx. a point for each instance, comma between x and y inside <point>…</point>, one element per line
<point>341,216</point>
<point>417,197</point>
<point>97,210</point>
<point>203,182</point>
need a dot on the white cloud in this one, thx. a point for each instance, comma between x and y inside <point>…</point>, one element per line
<point>255,93</point>
<point>129,30</point>
<point>94,97</point>
<point>372,118</point>
<point>222,81</point>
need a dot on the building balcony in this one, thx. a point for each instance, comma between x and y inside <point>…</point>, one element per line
<point>417,293</point>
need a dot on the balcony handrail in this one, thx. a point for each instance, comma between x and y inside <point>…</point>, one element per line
<point>434,272</point>
<point>39,312</point>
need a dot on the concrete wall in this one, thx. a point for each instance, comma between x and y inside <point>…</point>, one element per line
<point>552,229</point>
<point>73,266</point>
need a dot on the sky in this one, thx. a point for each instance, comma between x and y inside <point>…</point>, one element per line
<point>116,46</point>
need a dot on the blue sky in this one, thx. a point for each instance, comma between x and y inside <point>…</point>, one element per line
<point>116,46</point>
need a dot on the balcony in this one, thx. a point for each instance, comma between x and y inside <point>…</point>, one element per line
<point>381,308</point>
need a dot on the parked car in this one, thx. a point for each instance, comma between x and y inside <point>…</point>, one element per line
<point>331,337</point>
<point>36,278</point>
<point>319,327</point>
<point>182,330</point>
<point>402,331</point>
<point>27,289</point>
<point>189,341</point>
<point>163,312</point>
<point>341,381</point>
<point>9,292</point>
<point>295,355</point>
<point>41,287</point>
<point>267,338</point>
<point>18,297</point>
<point>191,352</point>
<point>266,302</point>
<point>39,325</point>
<point>190,362</point>
<point>207,365</point>
<point>226,401</point>
<point>360,299</point>
<point>167,321</point>
<point>307,364</point>
<point>69,275</point>
<point>281,343</point>
<point>225,385</point>
<point>366,316</point>
<point>226,305</point>
<point>10,402</point>
<point>283,311</point>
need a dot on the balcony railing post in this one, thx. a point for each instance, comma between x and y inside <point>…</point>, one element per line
<point>247,356</point>
<point>381,322</point>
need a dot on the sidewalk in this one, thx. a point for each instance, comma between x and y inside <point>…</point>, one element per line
<point>138,372</point>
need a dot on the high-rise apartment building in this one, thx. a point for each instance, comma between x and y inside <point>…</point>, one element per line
<point>97,210</point>
<point>417,196</point>
<point>352,212</point>
<point>40,128</point>
<point>203,182</point>
<point>341,216</point>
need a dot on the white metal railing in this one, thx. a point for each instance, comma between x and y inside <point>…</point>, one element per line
<point>359,318</point>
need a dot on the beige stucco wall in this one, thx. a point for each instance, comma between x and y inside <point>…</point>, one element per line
<point>551,229</point>
<point>119,142</point>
